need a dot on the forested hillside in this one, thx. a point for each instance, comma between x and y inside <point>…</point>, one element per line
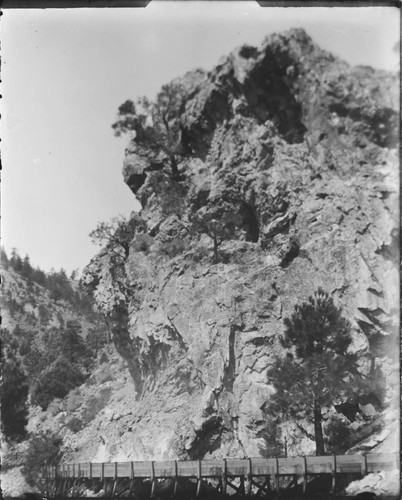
<point>51,335</point>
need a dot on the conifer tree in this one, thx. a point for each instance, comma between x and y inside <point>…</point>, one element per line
<point>219,222</point>
<point>44,449</point>
<point>118,234</point>
<point>318,369</point>
<point>155,124</point>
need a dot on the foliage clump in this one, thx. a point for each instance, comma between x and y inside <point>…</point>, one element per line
<point>56,381</point>
<point>44,449</point>
<point>338,434</point>
<point>155,125</point>
<point>219,222</point>
<point>272,445</point>
<point>14,391</point>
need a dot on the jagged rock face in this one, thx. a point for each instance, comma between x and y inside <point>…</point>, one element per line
<point>302,147</point>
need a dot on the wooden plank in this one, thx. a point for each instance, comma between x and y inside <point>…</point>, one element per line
<point>109,470</point>
<point>236,467</point>
<point>211,468</point>
<point>351,464</point>
<point>263,466</point>
<point>290,466</point>
<point>96,470</point>
<point>382,461</point>
<point>188,468</point>
<point>319,465</point>
<point>165,468</point>
<point>142,469</point>
<point>123,469</point>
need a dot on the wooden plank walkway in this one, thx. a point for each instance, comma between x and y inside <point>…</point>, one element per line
<point>242,475</point>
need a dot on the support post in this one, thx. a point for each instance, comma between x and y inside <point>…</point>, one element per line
<point>114,480</point>
<point>276,475</point>
<point>176,480</point>
<point>74,487</point>
<point>199,479</point>
<point>224,478</point>
<point>46,474</point>
<point>62,485</point>
<point>304,475</point>
<point>242,489</point>
<point>103,479</point>
<point>131,477</point>
<point>153,483</point>
<point>249,477</point>
<point>333,486</point>
<point>90,470</point>
<point>364,465</point>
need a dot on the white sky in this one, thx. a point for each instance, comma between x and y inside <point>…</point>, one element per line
<point>65,72</point>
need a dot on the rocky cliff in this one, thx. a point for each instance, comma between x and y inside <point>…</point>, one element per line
<point>296,153</point>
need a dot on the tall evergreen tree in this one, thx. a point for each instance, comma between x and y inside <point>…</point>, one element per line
<point>26,269</point>
<point>318,369</point>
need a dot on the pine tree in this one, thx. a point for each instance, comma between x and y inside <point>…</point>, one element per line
<point>15,260</point>
<point>43,449</point>
<point>56,381</point>
<point>219,222</point>
<point>72,341</point>
<point>155,124</point>
<point>318,369</point>
<point>26,269</point>
<point>117,234</point>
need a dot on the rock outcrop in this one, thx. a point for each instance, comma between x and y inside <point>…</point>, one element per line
<point>302,148</point>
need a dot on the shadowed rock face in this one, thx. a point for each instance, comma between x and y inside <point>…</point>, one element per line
<point>301,146</point>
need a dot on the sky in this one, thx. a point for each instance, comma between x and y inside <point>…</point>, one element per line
<point>66,71</point>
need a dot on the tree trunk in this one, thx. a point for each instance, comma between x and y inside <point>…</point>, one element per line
<point>319,438</point>
<point>173,164</point>
<point>216,254</point>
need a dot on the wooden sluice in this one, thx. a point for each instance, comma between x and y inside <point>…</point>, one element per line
<point>266,477</point>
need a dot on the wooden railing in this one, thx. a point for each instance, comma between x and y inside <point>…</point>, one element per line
<point>231,467</point>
